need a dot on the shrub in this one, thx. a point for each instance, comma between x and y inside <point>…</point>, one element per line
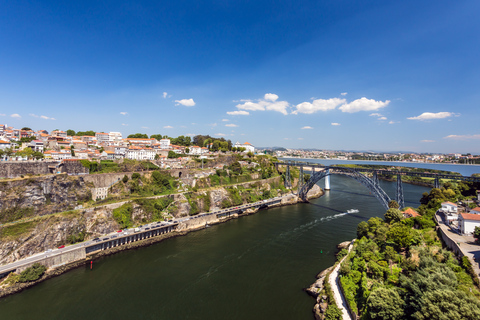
<point>32,273</point>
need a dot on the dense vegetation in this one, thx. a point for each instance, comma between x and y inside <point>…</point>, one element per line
<point>108,166</point>
<point>399,270</point>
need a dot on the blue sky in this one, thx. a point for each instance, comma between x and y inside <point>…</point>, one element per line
<point>353,75</point>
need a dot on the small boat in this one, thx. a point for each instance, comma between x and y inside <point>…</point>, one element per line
<point>352,211</point>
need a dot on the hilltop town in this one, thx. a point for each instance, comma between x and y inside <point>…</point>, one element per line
<point>24,144</point>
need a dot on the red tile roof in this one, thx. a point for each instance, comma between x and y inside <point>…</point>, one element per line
<point>469,216</point>
<point>410,212</point>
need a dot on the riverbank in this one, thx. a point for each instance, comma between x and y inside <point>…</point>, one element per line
<point>184,228</point>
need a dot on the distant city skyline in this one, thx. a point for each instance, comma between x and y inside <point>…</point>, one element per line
<point>336,76</point>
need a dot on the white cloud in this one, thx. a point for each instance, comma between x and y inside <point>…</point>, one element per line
<point>220,134</point>
<point>375,115</point>
<point>382,118</point>
<point>167,127</point>
<point>47,118</point>
<point>393,122</point>
<point>212,124</point>
<point>344,93</point>
<point>463,137</point>
<point>231,125</point>
<point>123,113</point>
<point>165,95</point>
<point>269,102</point>
<point>427,141</point>
<point>145,128</point>
<point>271,97</point>
<point>318,105</point>
<point>225,120</point>
<point>15,115</point>
<point>430,116</point>
<point>238,113</point>
<point>363,104</point>
<point>33,115</point>
<point>185,102</point>
<point>191,134</point>
<point>335,124</point>
<point>307,127</point>
<point>124,124</point>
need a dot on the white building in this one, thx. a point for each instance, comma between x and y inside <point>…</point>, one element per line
<point>102,137</point>
<point>4,145</point>
<point>475,210</point>
<point>138,153</point>
<point>195,150</point>
<point>467,222</point>
<point>165,144</point>
<point>449,207</point>
<point>247,145</point>
<point>115,137</point>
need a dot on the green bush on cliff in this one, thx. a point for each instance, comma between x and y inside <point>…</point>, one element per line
<point>32,273</point>
<point>123,215</point>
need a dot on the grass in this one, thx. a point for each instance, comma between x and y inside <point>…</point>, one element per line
<point>16,230</point>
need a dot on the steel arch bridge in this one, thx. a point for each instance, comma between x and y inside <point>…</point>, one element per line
<point>370,183</point>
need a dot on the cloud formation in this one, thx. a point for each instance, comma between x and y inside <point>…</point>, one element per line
<point>318,105</point>
<point>335,124</point>
<point>123,113</point>
<point>306,127</point>
<point>220,134</point>
<point>15,115</point>
<point>238,113</point>
<point>185,102</point>
<point>463,137</point>
<point>344,93</point>
<point>427,141</point>
<point>431,116</point>
<point>364,104</point>
<point>47,118</point>
<point>269,103</point>
<point>165,95</point>
<point>225,120</point>
<point>231,125</point>
<point>124,124</point>
<point>167,127</point>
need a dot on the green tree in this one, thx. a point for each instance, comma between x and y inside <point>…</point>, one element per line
<point>86,133</point>
<point>476,234</point>
<point>26,129</point>
<point>138,136</point>
<point>392,204</point>
<point>38,155</point>
<point>70,132</point>
<point>393,215</point>
<point>385,304</point>
<point>172,154</point>
<point>333,312</point>
<point>32,273</point>
<point>156,136</point>
<point>125,179</point>
<point>362,230</point>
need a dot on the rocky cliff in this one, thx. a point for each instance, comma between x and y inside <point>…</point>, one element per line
<point>37,196</point>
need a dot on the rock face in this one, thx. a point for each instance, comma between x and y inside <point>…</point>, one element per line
<point>40,195</point>
<point>343,245</point>
<point>321,300</point>
<point>54,231</point>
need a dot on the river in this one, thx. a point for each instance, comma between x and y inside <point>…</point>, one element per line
<point>253,267</point>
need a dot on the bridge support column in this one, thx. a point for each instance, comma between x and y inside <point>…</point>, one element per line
<point>300,179</point>
<point>400,199</point>
<point>437,183</point>
<point>288,184</point>
<point>327,181</point>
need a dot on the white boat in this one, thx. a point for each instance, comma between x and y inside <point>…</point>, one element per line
<point>352,211</point>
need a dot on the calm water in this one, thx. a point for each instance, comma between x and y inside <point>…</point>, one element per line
<point>250,268</point>
<point>466,170</point>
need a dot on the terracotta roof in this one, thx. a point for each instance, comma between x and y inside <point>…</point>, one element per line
<point>410,212</point>
<point>248,143</point>
<point>451,203</point>
<point>469,216</point>
<point>477,209</point>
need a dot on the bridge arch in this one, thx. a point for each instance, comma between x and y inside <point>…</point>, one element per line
<point>371,184</point>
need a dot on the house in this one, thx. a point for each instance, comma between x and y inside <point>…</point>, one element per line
<point>475,210</point>
<point>58,133</point>
<point>4,144</point>
<point>102,137</point>
<point>410,213</point>
<point>37,145</point>
<point>467,222</point>
<point>247,145</point>
<point>139,153</point>
<point>449,207</point>
<point>165,144</point>
<point>195,150</point>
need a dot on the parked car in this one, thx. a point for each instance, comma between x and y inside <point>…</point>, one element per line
<point>61,247</point>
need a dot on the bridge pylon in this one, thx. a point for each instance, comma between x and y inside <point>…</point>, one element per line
<point>375,178</point>
<point>399,194</point>
<point>436,183</point>
<point>300,178</point>
<point>288,183</point>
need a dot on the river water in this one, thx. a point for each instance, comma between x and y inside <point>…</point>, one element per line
<point>254,267</point>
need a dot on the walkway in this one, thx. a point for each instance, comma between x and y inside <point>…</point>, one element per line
<point>334,282</point>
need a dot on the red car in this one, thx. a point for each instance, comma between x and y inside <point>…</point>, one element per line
<point>61,247</point>
<point>119,231</point>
